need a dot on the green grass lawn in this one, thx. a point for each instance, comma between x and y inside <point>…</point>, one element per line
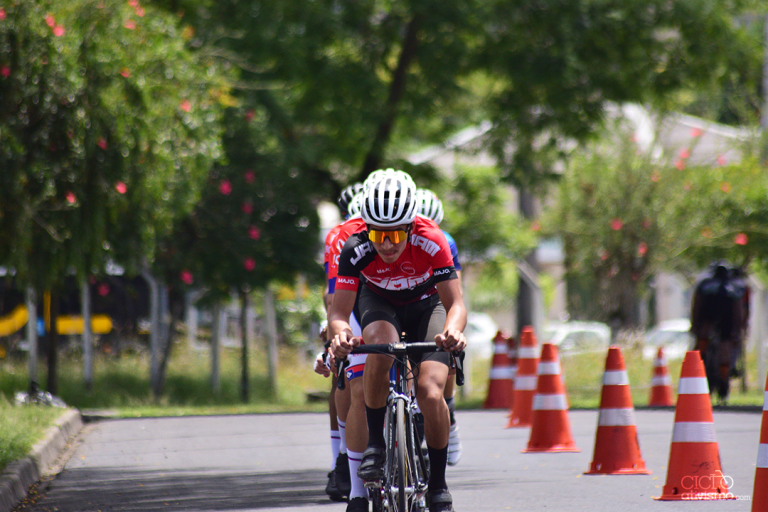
<point>121,386</point>
<point>22,427</point>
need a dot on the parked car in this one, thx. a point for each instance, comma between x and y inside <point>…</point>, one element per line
<point>480,331</point>
<point>577,336</point>
<point>673,335</point>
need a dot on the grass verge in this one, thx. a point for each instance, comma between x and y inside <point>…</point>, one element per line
<point>21,427</point>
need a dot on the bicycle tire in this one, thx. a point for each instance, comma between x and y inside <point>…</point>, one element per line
<point>402,459</point>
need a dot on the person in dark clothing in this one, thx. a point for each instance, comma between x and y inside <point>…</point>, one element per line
<point>718,322</point>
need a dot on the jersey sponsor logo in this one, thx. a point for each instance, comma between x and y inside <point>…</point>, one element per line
<point>346,280</point>
<point>361,251</point>
<point>426,244</point>
<point>398,283</point>
<point>381,270</point>
<point>407,267</point>
<point>442,271</point>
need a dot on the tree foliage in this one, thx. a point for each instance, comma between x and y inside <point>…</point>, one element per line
<point>625,213</point>
<point>107,126</point>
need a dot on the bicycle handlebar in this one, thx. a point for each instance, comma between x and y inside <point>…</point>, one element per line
<point>401,348</point>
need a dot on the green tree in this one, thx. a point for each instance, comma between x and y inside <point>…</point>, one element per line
<point>107,127</point>
<point>624,215</point>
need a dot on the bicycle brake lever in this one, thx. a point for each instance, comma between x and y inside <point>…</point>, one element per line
<point>340,371</point>
<point>459,361</point>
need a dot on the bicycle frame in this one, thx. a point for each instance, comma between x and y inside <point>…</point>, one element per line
<point>406,472</point>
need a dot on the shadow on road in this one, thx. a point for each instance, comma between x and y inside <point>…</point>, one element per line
<point>116,489</point>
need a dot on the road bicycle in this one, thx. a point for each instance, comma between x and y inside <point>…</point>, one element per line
<point>406,469</point>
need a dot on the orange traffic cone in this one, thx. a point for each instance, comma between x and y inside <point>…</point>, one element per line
<point>661,383</point>
<point>760,493</point>
<point>694,471</point>
<point>500,381</point>
<point>617,451</point>
<point>512,354</point>
<point>525,380</point>
<point>550,428</point>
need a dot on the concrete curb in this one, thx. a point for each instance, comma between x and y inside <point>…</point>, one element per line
<point>20,475</point>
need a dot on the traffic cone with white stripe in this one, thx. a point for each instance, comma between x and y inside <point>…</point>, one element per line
<point>512,354</point>
<point>760,493</point>
<point>661,383</point>
<point>694,471</point>
<point>521,411</point>
<point>617,450</point>
<point>550,427</point>
<point>500,379</point>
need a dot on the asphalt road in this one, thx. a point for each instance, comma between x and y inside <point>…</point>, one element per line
<point>279,462</point>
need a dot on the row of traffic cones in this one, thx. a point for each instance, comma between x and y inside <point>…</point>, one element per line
<point>513,374</point>
<point>617,449</point>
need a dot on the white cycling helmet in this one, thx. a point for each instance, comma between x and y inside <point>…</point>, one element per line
<point>355,206</point>
<point>384,173</point>
<point>390,201</point>
<point>428,205</point>
<point>347,194</point>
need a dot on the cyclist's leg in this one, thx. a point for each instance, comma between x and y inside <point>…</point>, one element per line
<point>380,326</point>
<point>454,442</point>
<point>724,367</point>
<point>341,467</point>
<point>432,378</point>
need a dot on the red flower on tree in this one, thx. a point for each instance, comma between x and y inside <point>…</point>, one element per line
<point>225,187</point>
<point>616,224</point>
<point>186,277</point>
<point>254,232</point>
<point>249,264</point>
<point>741,239</point>
<point>249,176</point>
<point>247,207</point>
<point>120,187</point>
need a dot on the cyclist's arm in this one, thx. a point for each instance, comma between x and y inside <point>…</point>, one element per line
<point>450,294</point>
<point>339,329</point>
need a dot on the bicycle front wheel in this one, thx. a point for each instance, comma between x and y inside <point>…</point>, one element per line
<point>403,460</point>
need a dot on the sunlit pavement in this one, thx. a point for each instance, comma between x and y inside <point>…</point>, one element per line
<point>279,462</point>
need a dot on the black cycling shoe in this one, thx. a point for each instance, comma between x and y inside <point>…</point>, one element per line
<point>357,505</point>
<point>372,465</point>
<point>343,482</point>
<point>440,501</point>
<point>331,490</point>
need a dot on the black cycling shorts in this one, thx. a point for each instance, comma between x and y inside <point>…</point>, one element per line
<point>420,321</point>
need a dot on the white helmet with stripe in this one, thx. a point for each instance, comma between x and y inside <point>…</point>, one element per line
<point>428,205</point>
<point>390,200</point>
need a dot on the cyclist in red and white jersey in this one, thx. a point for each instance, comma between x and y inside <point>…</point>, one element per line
<point>339,478</point>
<point>407,284</point>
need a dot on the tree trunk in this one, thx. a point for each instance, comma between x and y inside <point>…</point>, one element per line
<point>244,336</point>
<point>85,301</point>
<point>53,344</point>
<point>154,332</point>
<point>396,92</point>
<point>215,337</point>
<point>32,333</point>
<point>271,324</point>
<point>528,292</point>
<point>165,339</point>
